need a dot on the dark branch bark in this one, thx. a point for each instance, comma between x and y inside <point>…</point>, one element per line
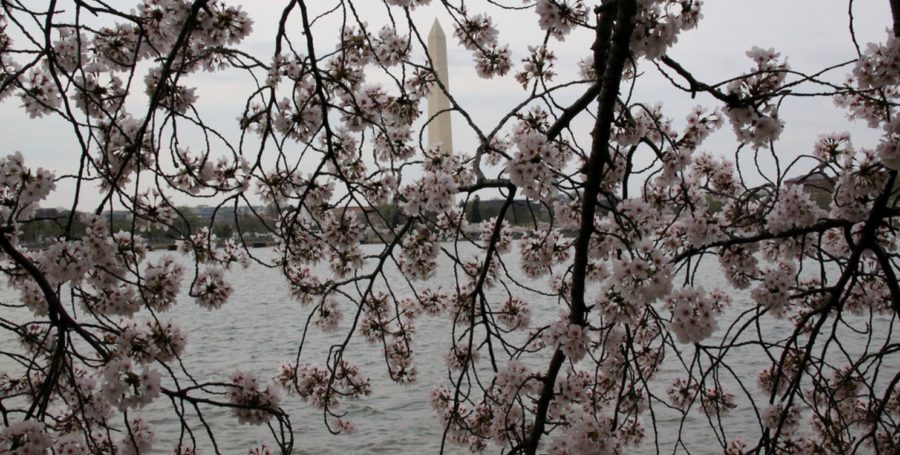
<point>890,275</point>
<point>868,240</point>
<point>697,86</point>
<point>155,98</point>
<point>609,63</point>
<point>570,112</point>
<point>895,12</point>
<point>58,314</point>
<point>819,227</point>
<point>59,319</point>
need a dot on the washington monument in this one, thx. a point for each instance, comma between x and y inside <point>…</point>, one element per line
<point>439,131</point>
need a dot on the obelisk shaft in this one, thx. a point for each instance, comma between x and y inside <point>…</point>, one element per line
<point>439,131</point>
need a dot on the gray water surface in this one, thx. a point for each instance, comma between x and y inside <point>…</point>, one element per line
<point>261,327</point>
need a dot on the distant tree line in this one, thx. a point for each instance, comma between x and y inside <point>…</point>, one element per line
<point>51,224</point>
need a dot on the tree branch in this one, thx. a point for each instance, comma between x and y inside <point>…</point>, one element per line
<point>609,61</point>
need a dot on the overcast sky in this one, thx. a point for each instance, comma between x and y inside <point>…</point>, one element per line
<point>812,34</point>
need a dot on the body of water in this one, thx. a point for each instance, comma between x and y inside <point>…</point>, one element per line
<point>261,327</point>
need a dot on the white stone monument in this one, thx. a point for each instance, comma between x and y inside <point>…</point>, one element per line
<point>439,131</point>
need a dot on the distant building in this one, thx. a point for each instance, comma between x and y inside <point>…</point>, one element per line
<point>520,212</point>
<point>226,214</point>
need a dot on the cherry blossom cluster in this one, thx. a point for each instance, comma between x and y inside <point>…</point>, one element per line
<point>252,404</point>
<point>694,313</point>
<point>587,434</point>
<point>537,67</point>
<point>878,66</point>
<point>210,290</point>
<point>197,174</point>
<point>683,393</point>
<point>717,174</point>
<point>793,209</point>
<point>700,124</point>
<point>324,388</point>
<point>300,116</point>
<point>856,186</point>
<point>514,314</point>
<point>644,278</point>
<point>304,286</point>
<point>773,292</point>
<point>138,439</point>
<point>154,340</point>
<point>125,387</point>
<point>342,234</point>
<point>478,34</point>
<point>444,174</point>
<point>889,147</point>
<point>503,240</point>
<point>21,188</point>
<point>559,17</point>
<point>659,22</point>
<point>419,252</point>
<point>717,400</point>
<point>412,4</point>
<point>533,165</point>
<point>40,96</point>
<point>756,121</point>
<point>496,419</point>
<point>571,339</point>
<point>28,437</point>
<point>776,417</point>
<point>162,281</point>
<point>393,327</point>
<point>541,250</point>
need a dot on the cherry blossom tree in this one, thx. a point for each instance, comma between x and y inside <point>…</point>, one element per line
<point>322,132</point>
